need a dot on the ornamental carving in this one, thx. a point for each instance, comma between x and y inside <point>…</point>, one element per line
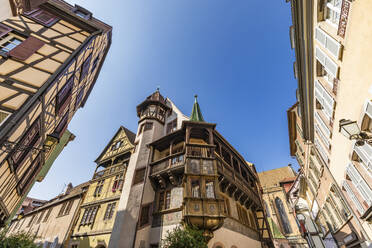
<point>343,18</point>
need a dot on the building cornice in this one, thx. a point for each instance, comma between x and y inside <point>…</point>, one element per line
<point>302,18</point>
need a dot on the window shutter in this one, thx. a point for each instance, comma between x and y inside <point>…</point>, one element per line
<point>4,30</point>
<point>330,66</point>
<point>359,183</point>
<point>28,47</point>
<point>332,46</point>
<point>325,99</point>
<point>322,125</point>
<point>352,196</point>
<point>321,150</point>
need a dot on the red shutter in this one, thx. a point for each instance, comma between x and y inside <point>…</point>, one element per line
<point>28,47</point>
<point>4,30</point>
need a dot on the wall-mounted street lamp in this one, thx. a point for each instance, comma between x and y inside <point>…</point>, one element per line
<point>351,130</point>
<point>9,146</point>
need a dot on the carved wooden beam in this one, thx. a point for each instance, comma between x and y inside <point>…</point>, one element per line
<point>161,181</point>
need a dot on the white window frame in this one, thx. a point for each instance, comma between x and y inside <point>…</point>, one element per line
<point>353,197</point>
<point>326,62</point>
<point>327,42</point>
<point>322,151</point>
<point>359,183</point>
<point>336,9</point>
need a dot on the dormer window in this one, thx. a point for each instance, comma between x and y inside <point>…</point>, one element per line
<point>81,12</point>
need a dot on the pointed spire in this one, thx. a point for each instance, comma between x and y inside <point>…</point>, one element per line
<point>196,114</point>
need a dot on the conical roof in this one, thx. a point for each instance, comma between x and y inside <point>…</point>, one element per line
<point>196,114</point>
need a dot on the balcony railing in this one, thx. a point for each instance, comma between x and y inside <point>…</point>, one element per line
<point>200,151</point>
<point>171,161</point>
<point>109,171</point>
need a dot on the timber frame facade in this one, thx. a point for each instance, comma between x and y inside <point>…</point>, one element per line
<point>97,212</point>
<point>51,54</point>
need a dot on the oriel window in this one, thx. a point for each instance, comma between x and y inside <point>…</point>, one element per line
<point>209,189</point>
<point>195,188</point>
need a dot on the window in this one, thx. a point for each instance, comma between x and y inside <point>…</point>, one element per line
<point>64,96</point>
<point>283,216</point>
<point>195,188</point>
<point>325,100</point>
<point>61,210</point>
<point>359,183</point>
<point>109,211</point>
<point>79,97</point>
<point>116,145</point>
<point>118,183</point>
<point>42,16</point>
<point>139,176</point>
<point>332,12</point>
<point>85,67</point>
<point>329,65</point>
<point>267,209</point>
<point>176,160</point>
<point>172,126</point>
<point>164,200</point>
<point>47,215</point>
<point>98,190</point>
<point>68,207</point>
<point>89,215</point>
<point>209,189</point>
<point>3,116</point>
<point>148,126</point>
<point>10,44</point>
<point>330,44</point>
<point>321,150</point>
<point>227,209</point>
<point>145,215</point>
<point>353,197</point>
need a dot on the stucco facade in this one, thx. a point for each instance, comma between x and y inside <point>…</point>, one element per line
<point>51,223</point>
<point>334,84</point>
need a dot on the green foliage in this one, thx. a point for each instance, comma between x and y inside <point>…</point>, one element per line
<point>18,240</point>
<point>184,237</point>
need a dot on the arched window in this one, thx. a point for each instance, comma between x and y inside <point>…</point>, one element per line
<point>283,216</point>
<point>267,209</point>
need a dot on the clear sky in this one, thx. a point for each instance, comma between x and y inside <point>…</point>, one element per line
<point>235,54</point>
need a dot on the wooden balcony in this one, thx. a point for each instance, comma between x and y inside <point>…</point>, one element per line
<point>200,151</point>
<point>108,171</point>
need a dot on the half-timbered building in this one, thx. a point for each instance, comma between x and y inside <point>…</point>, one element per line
<point>184,171</point>
<point>51,54</point>
<point>96,216</point>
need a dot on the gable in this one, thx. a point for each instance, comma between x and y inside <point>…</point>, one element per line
<point>117,145</point>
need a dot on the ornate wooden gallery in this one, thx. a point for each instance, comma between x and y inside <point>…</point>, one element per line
<point>50,57</point>
<point>187,173</point>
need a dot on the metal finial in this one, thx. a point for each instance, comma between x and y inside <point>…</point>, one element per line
<point>158,88</point>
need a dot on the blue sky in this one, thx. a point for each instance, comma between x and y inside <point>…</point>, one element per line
<point>234,54</point>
